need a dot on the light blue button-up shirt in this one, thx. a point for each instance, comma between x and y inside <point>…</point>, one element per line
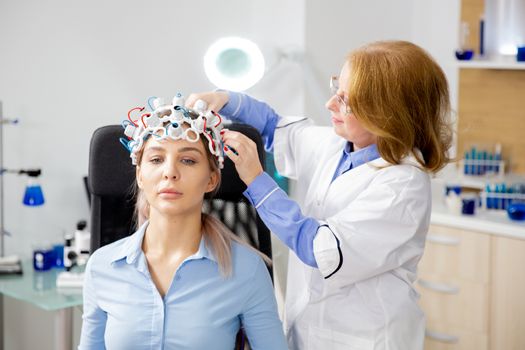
<point>201,309</point>
<point>281,214</point>
<point>352,159</point>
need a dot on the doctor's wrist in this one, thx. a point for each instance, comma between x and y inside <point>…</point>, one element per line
<point>249,179</point>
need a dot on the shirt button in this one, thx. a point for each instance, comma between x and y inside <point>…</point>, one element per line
<point>177,278</point>
<point>318,202</point>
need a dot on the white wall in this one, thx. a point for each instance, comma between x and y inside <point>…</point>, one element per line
<point>336,27</point>
<point>67,68</point>
<point>436,28</point>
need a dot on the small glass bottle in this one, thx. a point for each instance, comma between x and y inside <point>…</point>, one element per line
<point>464,52</point>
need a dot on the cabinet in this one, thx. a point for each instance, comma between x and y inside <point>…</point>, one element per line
<point>507,322</point>
<point>472,287</point>
<point>454,282</point>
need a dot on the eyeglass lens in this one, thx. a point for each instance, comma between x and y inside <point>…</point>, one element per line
<point>334,87</point>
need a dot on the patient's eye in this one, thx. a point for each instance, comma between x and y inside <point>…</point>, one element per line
<point>188,161</point>
<point>155,160</point>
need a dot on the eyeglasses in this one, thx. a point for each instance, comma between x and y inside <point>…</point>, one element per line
<point>344,108</point>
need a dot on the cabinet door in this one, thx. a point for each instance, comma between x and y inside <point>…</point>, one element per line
<point>454,277</point>
<point>456,254</point>
<point>457,305</point>
<point>508,294</point>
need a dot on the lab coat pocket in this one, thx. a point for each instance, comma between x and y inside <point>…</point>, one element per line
<point>322,339</point>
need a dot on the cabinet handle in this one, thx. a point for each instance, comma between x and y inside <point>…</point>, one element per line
<point>443,240</point>
<point>442,337</point>
<point>438,287</point>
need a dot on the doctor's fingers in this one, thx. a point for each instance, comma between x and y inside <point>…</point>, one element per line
<point>240,150</point>
<point>228,135</point>
<point>245,158</point>
<point>215,100</point>
<point>244,146</point>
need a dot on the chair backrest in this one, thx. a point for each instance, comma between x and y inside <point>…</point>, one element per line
<point>111,178</point>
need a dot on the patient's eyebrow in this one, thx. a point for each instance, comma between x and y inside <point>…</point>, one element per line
<point>180,150</point>
<point>187,149</point>
<point>154,148</point>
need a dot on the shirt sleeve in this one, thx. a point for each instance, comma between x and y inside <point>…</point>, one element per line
<point>245,109</point>
<point>283,217</point>
<point>93,317</point>
<point>259,316</point>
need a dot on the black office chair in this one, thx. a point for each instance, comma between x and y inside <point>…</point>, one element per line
<point>111,177</point>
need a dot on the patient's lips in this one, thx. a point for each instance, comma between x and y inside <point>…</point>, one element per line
<point>169,193</point>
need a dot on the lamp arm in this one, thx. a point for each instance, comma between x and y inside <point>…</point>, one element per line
<point>312,82</point>
<point>314,85</point>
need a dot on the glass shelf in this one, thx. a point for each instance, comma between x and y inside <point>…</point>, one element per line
<point>39,288</point>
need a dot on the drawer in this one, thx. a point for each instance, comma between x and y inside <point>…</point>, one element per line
<point>456,254</point>
<point>457,303</point>
<point>442,338</point>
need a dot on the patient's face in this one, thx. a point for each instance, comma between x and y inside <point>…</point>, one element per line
<point>175,175</point>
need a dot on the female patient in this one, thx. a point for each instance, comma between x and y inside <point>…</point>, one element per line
<point>182,280</point>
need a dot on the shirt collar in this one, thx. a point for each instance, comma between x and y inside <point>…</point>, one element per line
<point>203,251</point>
<point>133,248</point>
<point>349,148</point>
<point>362,156</point>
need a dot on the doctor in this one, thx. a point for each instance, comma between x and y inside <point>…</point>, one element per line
<point>364,188</point>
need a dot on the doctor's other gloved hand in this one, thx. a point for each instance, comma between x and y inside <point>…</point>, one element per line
<point>243,153</point>
<point>215,99</point>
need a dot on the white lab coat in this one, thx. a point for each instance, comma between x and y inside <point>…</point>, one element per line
<point>361,295</point>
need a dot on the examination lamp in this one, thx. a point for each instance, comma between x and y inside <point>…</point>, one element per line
<point>234,63</point>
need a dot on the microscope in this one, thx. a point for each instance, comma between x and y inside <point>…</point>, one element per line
<point>76,253</point>
<point>76,246</point>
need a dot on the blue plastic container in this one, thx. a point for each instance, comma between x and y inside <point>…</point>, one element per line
<point>464,55</point>
<point>43,259</point>
<point>58,254</point>
<point>468,206</point>
<point>516,211</point>
<point>520,56</point>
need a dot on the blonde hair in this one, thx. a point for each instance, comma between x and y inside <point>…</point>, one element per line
<point>219,236</point>
<point>400,94</point>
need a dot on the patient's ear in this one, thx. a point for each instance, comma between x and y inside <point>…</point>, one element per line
<point>214,181</point>
<point>138,176</point>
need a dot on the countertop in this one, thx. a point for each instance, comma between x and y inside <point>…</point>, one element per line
<point>494,222</point>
